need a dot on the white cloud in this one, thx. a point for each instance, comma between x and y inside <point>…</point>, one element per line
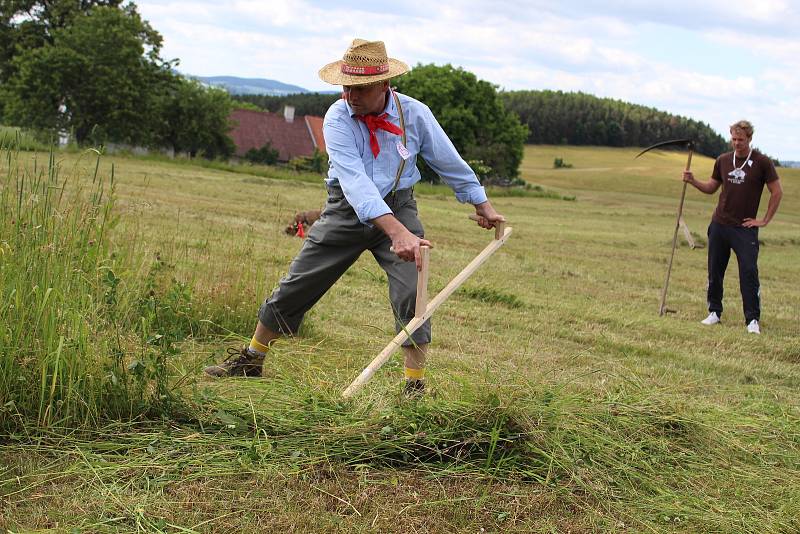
<point>603,48</point>
<point>768,47</point>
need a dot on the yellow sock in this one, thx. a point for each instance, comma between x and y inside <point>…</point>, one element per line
<point>257,347</point>
<point>414,374</point>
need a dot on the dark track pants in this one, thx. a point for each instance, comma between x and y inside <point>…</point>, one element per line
<point>333,244</point>
<point>744,242</point>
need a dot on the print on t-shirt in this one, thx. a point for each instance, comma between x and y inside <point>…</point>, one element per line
<point>736,176</point>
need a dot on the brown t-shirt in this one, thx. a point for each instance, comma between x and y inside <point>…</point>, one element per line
<point>741,190</point>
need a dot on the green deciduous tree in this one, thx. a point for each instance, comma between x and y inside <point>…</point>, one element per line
<point>29,24</point>
<point>471,113</point>
<point>99,79</point>
<point>96,73</point>
<point>195,119</point>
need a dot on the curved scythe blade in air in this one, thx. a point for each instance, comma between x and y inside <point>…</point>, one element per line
<point>688,142</point>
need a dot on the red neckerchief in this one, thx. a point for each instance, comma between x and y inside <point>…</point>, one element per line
<point>378,122</point>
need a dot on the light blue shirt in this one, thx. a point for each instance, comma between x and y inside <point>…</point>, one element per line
<point>366,180</point>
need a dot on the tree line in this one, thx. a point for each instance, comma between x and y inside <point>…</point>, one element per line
<point>303,103</point>
<point>556,117</point>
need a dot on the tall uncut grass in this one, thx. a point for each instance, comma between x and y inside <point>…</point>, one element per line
<point>16,138</point>
<point>65,358</point>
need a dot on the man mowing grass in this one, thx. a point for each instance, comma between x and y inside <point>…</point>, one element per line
<point>373,136</point>
<point>742,175</point>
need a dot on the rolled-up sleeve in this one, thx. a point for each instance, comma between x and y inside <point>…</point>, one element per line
<point>438,151</point>
<point>348,168</point>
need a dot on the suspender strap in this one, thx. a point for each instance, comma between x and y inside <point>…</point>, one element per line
<point>403,126</point>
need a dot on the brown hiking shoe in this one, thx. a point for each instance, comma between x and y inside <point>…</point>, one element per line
<point>238,363</point>
<point>414,388</point>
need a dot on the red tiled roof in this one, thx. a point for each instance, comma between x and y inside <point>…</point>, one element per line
<point>315,126</point>
<point>253,129</point>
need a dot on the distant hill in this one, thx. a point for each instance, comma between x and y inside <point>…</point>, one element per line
<point>251,86</point>
<point>792,164</point>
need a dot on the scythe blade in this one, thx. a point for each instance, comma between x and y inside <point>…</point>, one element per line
<point>689,143</point>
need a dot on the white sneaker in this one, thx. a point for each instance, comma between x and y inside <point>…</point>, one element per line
<point>713,318</point>
<point>752,327</point>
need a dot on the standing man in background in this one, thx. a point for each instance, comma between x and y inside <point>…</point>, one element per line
<point>373,136</point>
<point>742,175</point>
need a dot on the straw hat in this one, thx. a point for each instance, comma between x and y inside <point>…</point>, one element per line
<point>364,62</point>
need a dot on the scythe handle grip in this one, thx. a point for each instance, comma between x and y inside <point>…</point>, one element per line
<point>499,227</point>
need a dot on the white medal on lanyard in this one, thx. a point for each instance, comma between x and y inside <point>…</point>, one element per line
<point>737,172</point>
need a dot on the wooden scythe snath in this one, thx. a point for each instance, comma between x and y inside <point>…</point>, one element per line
<point>690,145</point>
<point>424,309</point>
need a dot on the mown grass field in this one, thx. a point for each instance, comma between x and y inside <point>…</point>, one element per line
<point>560,401</point>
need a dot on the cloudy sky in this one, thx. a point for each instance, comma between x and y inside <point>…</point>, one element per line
<point>712,60</point>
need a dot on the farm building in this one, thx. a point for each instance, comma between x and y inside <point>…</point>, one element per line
<point>290,135</point>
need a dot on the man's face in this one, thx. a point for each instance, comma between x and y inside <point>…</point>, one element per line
<point>740,142</point>
<point>366,99</point>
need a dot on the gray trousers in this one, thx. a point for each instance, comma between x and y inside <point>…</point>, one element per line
<point>333,244</point>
